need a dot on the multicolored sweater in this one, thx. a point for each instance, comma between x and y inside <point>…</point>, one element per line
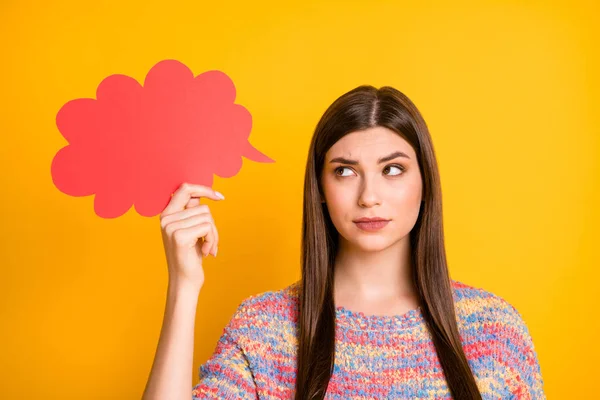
<point>376,356</point>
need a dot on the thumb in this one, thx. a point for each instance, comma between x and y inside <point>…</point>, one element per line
<point>193,202</point>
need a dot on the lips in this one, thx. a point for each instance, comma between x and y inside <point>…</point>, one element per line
<point>371,224</point>
<point>374,219</point>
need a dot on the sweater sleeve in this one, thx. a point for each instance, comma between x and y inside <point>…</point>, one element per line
<point>226,374</point>
<point>525,377</point>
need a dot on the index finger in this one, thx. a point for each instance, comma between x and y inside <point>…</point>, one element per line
<point>185,192</point>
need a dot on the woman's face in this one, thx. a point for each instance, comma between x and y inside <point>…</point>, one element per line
<point>360,186</point>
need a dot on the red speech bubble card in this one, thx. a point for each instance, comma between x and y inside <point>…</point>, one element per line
<point>135,145</point>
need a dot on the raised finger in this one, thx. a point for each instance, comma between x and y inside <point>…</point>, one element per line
<point>187,191</point>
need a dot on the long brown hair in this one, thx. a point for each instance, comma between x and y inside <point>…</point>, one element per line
<point>362,108</point>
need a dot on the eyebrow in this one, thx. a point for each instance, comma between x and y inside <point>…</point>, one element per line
<point>381,160</point>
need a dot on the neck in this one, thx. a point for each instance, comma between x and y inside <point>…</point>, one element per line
<point>374,275</point>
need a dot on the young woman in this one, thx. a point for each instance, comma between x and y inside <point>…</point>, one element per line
<point>375,314</point>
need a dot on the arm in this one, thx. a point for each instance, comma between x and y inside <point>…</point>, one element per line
<point>170,376</point>
<point>521,357</point>
<point>227,374</point>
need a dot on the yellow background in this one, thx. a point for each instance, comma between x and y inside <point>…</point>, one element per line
<point>509,89</point>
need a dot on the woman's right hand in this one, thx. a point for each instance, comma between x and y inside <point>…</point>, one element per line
<point>189,233</point>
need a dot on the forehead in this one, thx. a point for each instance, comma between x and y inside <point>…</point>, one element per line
<point>370,144</point>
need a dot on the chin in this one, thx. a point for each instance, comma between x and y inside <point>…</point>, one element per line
<point>372,249</point>
<point>369,244</point>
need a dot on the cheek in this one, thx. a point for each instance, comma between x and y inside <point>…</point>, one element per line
<point>408,190</point>
<point>405,197</point>
<point>406,203</point>
<point>339,202</point>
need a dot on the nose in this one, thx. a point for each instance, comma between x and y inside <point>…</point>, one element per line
<point>368,196</point>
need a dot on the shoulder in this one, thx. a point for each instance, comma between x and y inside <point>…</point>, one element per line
<point>265,312</point>
<point>476,306</point>
<point>493,325</point>
<point>486,305</point>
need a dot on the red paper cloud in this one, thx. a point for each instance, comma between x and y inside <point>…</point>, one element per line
<point>136,144</point>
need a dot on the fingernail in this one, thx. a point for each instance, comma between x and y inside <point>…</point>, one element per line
<point>219,195</point>
<point>216,249</point>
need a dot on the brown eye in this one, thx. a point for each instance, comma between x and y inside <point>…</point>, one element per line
<point>340,169</point>
<point>400,167</point>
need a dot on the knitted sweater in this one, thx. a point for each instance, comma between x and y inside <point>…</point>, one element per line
<point>376,356</point>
